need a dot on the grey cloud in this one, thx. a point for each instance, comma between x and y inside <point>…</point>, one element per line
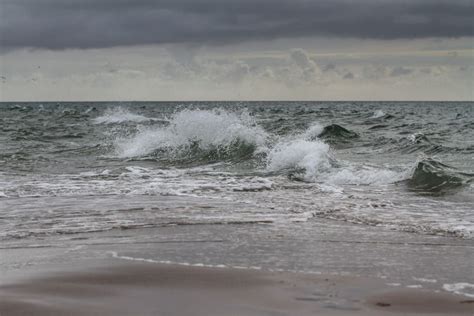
<point>425,71</point>
<point>61,24</point>
<point>238,72</point>
<point>329,67</point>
<point>349,75</point>
<point>301,59</point>
<point>400,71</point>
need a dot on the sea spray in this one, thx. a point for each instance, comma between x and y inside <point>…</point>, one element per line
<point>311,157</point>
<point>212,133</point>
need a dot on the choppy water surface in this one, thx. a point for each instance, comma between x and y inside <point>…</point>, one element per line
<point>79,167</point>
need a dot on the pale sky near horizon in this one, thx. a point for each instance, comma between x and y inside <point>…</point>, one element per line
<point>85,50</point>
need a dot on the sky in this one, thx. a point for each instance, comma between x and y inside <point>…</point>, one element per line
<point>180,50</point>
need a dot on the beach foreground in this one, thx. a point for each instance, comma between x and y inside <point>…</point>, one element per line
<point>322,268</point>
<point>163,289</point>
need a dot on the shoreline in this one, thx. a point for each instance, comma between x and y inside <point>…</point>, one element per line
<point>323,268</point>
<point>142,288</point>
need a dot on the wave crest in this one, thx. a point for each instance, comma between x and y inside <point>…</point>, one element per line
<point>197,134</point>
<point>335,133</point>
<point>433,177</point>
<point>309,157</point>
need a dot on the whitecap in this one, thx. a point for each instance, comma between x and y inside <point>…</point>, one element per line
<point>377,114</point>
<point>308,153</point>
<point>208,129</point>
<point>312,156</point>
<point>120,115</point>
<point>313,131</point>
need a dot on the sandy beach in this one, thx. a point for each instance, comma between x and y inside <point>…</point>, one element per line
<point>160,289</point>
<point>188,270</point>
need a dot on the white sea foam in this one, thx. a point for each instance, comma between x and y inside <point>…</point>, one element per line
<point>207,129</point>
<point>462,288</point>
<point>363,176</point>
<point>313,131</point>
<point>378,114</point>
<point>90,109</point>
<point>115,255</point>
<point>425,280</point>
<point>312,156</point>
<point>120,115</point>
<point>414,138</point>
<point>89,174</point>
<point>306,152</point>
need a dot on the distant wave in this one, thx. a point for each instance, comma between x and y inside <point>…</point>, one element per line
<point>418,142</point>
<point>380,115</point>
<point>377,114</point>
<point>120,115</point>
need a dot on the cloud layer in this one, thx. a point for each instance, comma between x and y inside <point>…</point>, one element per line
<point>291,74</point>
<point>59,24</point>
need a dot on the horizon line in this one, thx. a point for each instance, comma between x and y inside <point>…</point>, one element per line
<point>176,101</point>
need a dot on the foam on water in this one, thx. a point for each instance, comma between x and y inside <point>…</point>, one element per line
<point>312,156</point>
<point>205,129</point>
<point>378,114</point>
<point>120,115</point>
<point>307,153</point>
<point>313,131</point>
<point>364,175</point>
<point>133,181</point>
<point>461,288</point>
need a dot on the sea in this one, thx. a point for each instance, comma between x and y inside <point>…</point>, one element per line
<point>68,168</point>
<point>380,189</point>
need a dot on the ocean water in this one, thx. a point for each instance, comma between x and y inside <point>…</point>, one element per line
<point>68,168</point>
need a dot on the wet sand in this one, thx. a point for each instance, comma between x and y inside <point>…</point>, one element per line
<point>140,288</point>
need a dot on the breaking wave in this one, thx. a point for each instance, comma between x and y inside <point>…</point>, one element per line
<point>209,136</point>
<point>197,134</point>
<point>380,115</point>
<point>309,157</point>
<point>377,114</point>
<point>312,161</point>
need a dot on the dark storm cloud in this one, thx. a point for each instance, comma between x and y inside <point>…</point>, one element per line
<point>60,24</point>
